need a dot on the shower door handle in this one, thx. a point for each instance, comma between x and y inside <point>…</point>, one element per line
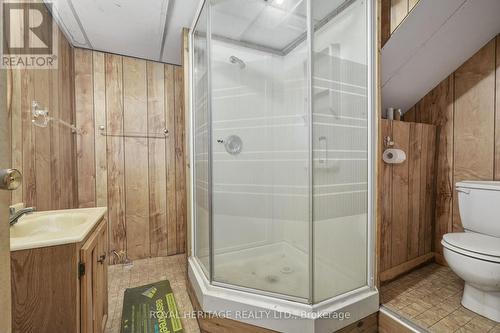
<point>323,141</point>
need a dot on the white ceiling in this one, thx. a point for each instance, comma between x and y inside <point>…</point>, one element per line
<point>271,24</point>
<point>152,29</point>
<point>145,29</point>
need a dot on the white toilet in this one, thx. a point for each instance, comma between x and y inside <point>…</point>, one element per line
<point>474,255</point>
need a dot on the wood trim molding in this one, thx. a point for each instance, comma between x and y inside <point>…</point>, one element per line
<point>439,258</point>
<point>405,267</point>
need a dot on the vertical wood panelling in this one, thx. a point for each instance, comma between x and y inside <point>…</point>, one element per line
<point>29,173</point>
<point>115,153</point>
<point>410,115</point>
<point>141,180</point>
<point>84,114</point>
<point>16,132</point>
<point>43,181</point>
<point>67,139</point>
<point>45,156</point>
<point>101,162</point>
<point>170,152</point>
<point>429,142</point>
<point>425,159</point>
<point>135,120</point>
<point>406,215</point>
<point>437,108</point>
<point>180,161</point>
<point>7,95</point>
<point>157,167</point>
<point>385,202</point>
<point>385,21</point>
<point>399,10</point>
<point>474,120</point>
<point>464,107</point>
<point>187,124</point>
<point>414,190</point>
<point>393,12</point>
<point>55,139</point>
<point>443,109</point>
<point>399,227</point>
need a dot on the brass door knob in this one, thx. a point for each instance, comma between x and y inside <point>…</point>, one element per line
<point>10,179</point>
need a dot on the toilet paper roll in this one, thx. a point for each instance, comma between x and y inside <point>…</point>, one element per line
<point>394,156</point>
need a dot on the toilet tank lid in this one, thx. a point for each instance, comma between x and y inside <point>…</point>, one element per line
<point>484,185</point>
<point>474,242</point>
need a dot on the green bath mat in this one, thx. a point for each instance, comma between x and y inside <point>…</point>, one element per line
<point>150,309</point>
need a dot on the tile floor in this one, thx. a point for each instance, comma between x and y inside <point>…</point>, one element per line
<point>147,271</point>
<point>430,297</point>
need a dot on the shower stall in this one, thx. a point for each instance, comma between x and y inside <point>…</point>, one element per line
<point>282,143</point>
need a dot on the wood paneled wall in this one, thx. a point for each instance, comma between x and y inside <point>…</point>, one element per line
<point>407,204</point>
<point>393,13</point>
<point>465,107</point>
<point>141,180</point>
<point>45,156</point>
<point>5,162</point>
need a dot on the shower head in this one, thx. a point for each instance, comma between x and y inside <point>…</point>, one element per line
<point>236,60</point>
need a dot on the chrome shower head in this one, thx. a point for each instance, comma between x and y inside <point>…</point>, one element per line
<point>236,60</point>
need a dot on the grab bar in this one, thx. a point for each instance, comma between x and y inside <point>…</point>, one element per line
<point>135,135</point>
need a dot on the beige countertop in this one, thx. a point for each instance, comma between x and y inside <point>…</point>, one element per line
<point>55,227</point>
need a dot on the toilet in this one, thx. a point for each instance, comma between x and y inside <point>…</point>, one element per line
<point>474,255</point>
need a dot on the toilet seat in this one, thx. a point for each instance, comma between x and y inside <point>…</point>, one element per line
<point>474,245</point>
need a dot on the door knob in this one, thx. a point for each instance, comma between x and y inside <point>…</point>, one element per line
<point>10,179</point>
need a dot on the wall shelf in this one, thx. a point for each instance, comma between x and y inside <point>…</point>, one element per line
<point>433,41</point>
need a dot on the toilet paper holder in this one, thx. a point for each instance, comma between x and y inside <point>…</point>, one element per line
<point>393,156</point>
<point>388,142</point>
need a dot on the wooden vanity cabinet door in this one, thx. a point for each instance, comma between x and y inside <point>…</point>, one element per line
<point>103,276</point>
<point>92,282</point>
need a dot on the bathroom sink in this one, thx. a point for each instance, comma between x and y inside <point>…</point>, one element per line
<point>50,228</point>
<point>36,225</point>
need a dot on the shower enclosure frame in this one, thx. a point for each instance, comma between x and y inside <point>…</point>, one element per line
<point>245,295</point>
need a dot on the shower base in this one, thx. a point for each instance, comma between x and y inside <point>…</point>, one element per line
<point>279,268</point>
<point>270,311</point>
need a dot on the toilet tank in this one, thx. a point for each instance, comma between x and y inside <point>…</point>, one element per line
<point>479,206</point>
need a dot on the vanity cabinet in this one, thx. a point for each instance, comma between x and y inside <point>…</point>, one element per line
<point>61,288</point>
<point>94,281</point>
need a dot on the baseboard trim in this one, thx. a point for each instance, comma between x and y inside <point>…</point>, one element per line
<point>440,259</point>
<point>394,272</point>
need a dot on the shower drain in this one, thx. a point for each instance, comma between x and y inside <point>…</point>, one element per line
<point>286,270</point>
<point>272,278</point>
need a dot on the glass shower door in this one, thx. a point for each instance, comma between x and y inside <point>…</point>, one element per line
<point>260,114</point>
<point>201,126</point>
<point>282,126</point>
<point>340,141</point>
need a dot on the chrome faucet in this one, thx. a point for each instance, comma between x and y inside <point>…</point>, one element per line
<point>15,215</point>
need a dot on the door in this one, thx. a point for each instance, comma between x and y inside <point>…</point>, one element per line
<point>5,304</point>
<point>93,282</point>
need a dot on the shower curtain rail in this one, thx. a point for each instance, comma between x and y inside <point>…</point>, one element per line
<point>162,135</point>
